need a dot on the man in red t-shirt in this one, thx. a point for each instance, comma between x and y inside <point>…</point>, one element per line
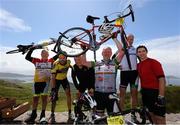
<point>153,82</point>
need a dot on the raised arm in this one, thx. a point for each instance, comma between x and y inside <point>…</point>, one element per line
<point>85,62</point>
<point>119,55</point>
<point>55,57</point>
<point>28,55</point>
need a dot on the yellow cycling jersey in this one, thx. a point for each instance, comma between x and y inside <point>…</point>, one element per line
<point>43,69</point>
<point>60,70</point>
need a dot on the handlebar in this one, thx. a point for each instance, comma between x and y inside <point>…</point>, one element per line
<point>106,20</point>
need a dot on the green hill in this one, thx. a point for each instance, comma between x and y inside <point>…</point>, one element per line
<point>23,92</point>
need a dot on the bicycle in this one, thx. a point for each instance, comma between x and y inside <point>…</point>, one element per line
<point>84,109</point>
<point>77,40</point>
<point>85,112</point>
<point>25,48</point>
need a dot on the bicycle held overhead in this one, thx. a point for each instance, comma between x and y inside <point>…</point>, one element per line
<point>77,40</point>
<point>25,48</point>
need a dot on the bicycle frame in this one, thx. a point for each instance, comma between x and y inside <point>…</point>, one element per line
<point>96,44</point>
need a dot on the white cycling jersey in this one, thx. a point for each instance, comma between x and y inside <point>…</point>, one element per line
<point>105,75</point>
<point>133,60</point>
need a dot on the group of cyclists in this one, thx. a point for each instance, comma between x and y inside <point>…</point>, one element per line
<point>100,80</point>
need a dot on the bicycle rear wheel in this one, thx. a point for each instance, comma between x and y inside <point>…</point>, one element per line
<point>13,51</point>
<point>143,116</point>
<point>74,41</point>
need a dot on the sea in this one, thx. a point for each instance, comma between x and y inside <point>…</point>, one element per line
<point>25,79</point>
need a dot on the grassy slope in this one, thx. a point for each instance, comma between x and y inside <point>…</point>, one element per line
<point>23,92</point>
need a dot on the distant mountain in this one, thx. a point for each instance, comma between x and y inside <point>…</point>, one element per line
<point>16,78</point>
<point>5,74</point>
<point>172,77</point>
<point>172,80</point>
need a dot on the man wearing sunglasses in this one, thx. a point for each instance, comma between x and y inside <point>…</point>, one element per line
<point>59,77</point>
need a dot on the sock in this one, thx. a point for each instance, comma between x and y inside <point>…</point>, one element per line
<point>69,111</point>
<point>42,113</point>
<point>133,112</point>
<point>34,111</point>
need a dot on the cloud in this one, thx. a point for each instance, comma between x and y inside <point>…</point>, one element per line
<point>10,22</point>
<point>135,3</point>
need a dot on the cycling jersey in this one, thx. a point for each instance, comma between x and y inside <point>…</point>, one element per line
<point>105,76</point>
<point>43,67</point>
<point>85,76</point>
<point>133,60</point>
<point>60,70</point>
<point>150,71</point>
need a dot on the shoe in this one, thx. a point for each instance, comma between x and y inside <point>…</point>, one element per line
<point>43,121</point>
<point>70,118</point>
<point>52,119</point>
<point>31,118</point>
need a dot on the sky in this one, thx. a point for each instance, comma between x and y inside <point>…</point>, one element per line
<point>157,25</point>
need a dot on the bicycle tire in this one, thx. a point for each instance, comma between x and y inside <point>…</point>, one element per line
<point>144,116</point>
<point>148,116</point>
<point>13,51</point>
<point>81,37</point>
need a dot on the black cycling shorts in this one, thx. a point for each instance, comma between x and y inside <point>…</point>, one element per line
<point>149,98</point>
<point>40,88</point>
<point>103,101</point>
<point>64,83</point>
<point>129,77</point>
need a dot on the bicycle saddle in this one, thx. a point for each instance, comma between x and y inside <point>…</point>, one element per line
<point>90,19</point>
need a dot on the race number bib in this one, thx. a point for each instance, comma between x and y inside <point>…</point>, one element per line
<point>43,70</point>
<point>115,120</point>
<point>44,73</point>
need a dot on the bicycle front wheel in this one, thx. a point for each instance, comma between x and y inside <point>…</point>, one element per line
<point>74,41</point>
<point>13,51</point>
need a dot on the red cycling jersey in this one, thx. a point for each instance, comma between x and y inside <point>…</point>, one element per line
<point>150,71</point>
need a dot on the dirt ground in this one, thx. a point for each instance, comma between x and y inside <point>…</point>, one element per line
<point>61,117</point>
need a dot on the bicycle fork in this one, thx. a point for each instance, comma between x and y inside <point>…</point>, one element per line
<point>94,46</point>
